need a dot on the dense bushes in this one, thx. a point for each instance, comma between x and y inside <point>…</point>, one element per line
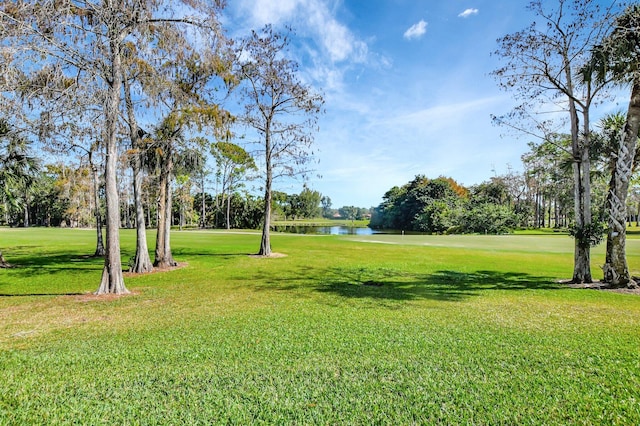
<point>443,206</point>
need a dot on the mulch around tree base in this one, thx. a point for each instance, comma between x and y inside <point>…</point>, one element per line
<point>88,297</point>
<point>157,269</point>
<point>271,256</point>
<point>599,285</point>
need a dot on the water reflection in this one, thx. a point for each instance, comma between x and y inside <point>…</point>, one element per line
<point>325,230</point>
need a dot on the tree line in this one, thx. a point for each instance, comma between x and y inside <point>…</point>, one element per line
<point>538,197</point>
<point>63,195</point>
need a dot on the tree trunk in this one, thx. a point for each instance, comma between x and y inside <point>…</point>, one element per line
<point>26,211</point>
<point>203,222</point>
<point>142,261</point>
<point>168,256</point>
<point>265,242</point>
<point>127,213</point>
<point>228,215</point>
<point>148,208</point>
<point>163,256</point>
<point>112,279</point>
<point>160,218</point>
<point>582,252</point>
<point>582,199</point>
<point>616,270</point>
<point>96,199</point>
<point>536,214</point>
<point>3,262</point>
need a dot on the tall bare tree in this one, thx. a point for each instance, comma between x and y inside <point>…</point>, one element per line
<point>142,260</point>
<point>281,109</point>
<point>543,67</point>
<point>166,139</point>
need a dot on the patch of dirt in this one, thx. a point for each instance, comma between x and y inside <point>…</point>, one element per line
<point>156,270</point>
<point>271,256</point>
<point>598,285</point>
<point>91,297</point>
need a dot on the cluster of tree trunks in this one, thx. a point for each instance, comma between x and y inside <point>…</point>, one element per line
<point>579,40</point>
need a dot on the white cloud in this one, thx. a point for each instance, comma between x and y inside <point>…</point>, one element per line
<point>311,16</point>
<point>468,12</point>
<point>416,30</point>
<point>443,114</point>
<point>270,12</point>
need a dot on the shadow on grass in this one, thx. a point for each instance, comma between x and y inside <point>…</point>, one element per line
<point>393,285</point>
<point>40,294</point>
<point>190,253</point>
<point>47,264</point>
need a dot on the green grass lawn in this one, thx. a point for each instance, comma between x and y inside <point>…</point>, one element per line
<point>380,329</point>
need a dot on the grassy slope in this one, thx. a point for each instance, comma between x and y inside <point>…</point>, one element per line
<point>456,329</point>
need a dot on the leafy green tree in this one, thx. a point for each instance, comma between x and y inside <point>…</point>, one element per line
<point>327,211</point>
<point>308,203</point>
<point>387,214</point>
<point>204,204</point>
<point>18,170</point>
<point>280,204</point>
<point>438,216</point>
<point>426,205</point>
<point>234,165</point>
<point>50,190</point>
<point>487,218</point>
<point>183,207</point>
<point>248,211</point>
<point>548,172</point>
<point>348,212</point>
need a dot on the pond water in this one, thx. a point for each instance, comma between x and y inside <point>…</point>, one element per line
<point>325,230</point>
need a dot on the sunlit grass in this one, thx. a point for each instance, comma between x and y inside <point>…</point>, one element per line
<point>383,330</point>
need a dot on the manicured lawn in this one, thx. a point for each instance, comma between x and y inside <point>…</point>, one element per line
<point>381,329</point>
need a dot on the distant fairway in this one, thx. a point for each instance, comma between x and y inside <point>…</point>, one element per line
<point>382,329</point>
<point>520,243</point>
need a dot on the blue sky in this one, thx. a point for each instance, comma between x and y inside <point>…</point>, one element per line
<point>406,85</point>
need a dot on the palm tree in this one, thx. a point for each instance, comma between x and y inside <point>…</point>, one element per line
<point>17,170</point>
<point>618,57</point>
